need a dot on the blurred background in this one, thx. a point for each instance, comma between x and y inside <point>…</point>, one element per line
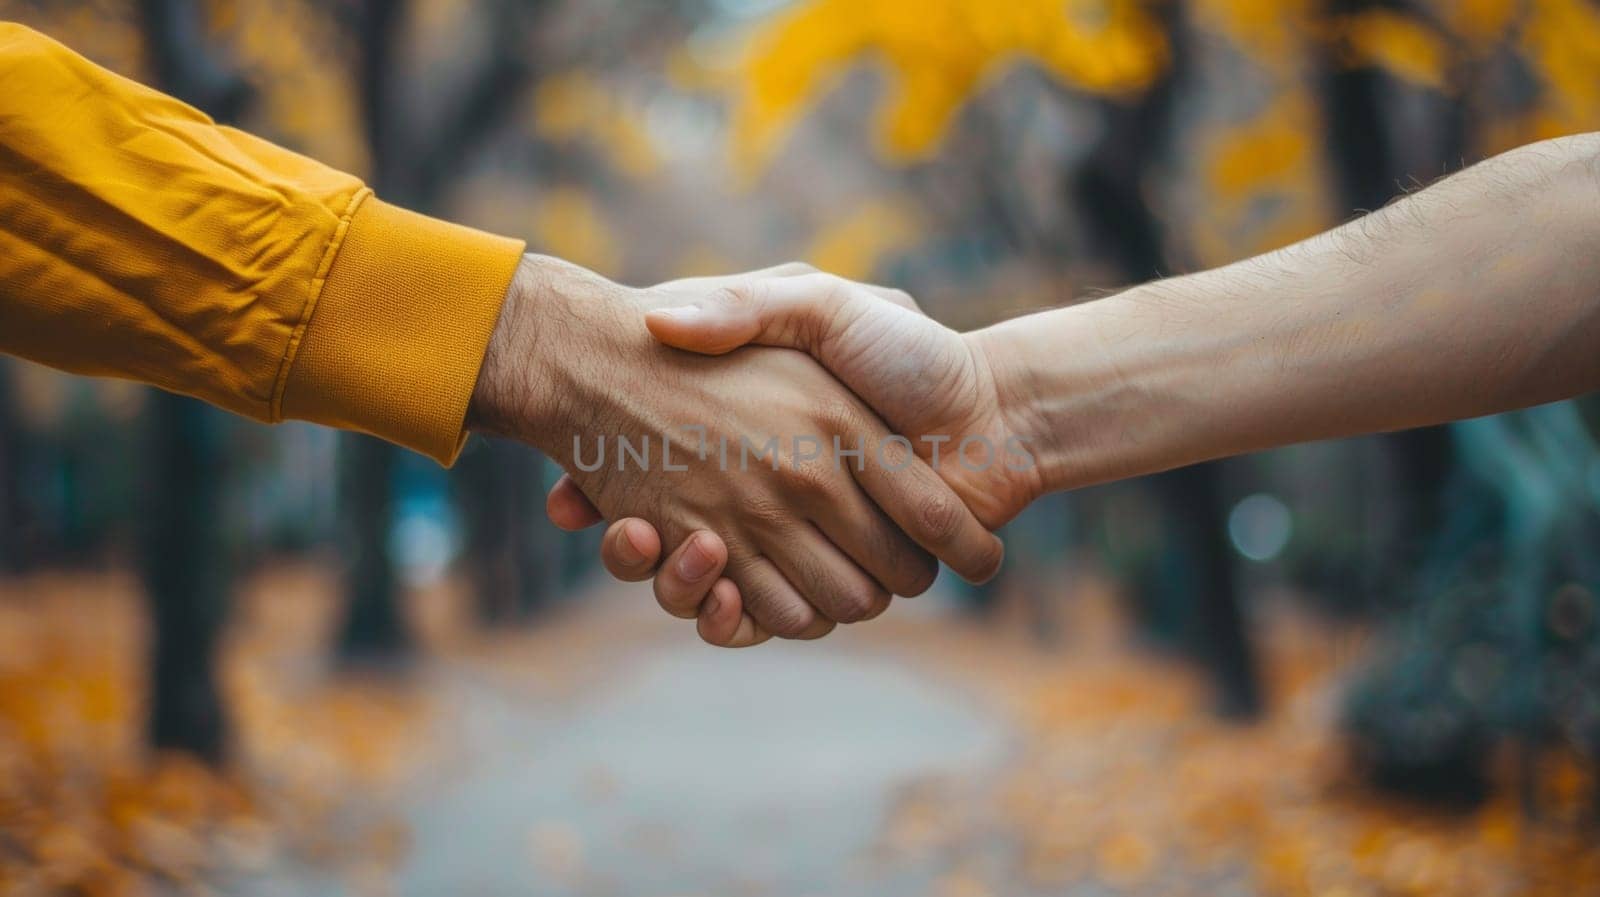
<point>249,660</point>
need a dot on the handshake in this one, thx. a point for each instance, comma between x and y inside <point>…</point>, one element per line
<point>795,493</point>
<point>793,490</point>
<point>798,448</point>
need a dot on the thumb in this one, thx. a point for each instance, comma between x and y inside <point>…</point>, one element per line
<point>698,328</point>
<point>791,312</point>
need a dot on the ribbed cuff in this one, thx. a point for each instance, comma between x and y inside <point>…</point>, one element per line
<point>399,329</point>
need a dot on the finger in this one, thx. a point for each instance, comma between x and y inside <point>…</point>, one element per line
<point>796,312</point>
<point>686,578</point>
<point>799,269</point>
<point>787,269</point>
<point>914,497</point>
<point>711,282</point>
<point>889,294</point>
<point>860,529</point>
<point>772,602</point>
<point>829,580</point>
<point>630,549</point>
<point>723,622</point>
<point>568,508</point>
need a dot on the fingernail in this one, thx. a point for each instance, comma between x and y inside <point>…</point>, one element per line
<point>695,563</point>
<point>710,606</point>
<point>628,551</point>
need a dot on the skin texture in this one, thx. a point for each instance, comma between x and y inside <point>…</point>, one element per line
<point>808,544</point>
<point>1478,295</point>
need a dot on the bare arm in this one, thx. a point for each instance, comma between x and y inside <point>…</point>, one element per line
<point>1480,294</point>
<point>1477,295</point>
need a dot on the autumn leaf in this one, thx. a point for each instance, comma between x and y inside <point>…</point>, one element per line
<point>937,55</point>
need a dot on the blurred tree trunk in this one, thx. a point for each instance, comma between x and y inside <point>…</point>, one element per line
<point>1201,588</point>
<point>183,556</point>
<point>186,573</point>
<point>374,630</point>
<point>413,163</point>
<point>512,553</point>
<point>1383,135</point>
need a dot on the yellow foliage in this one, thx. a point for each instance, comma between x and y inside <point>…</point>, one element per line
<point>1271,150</point>
<point>568,224</point>
<point>1480,23</point>
<point>1397,43</point>
<point>689,71</point>
<point>701,260</point>
<point>563,105</point>
<point>1276,35</point>
<point>1272,32</point>
<point>86,809</point>
<point>1561,38</point>
<point>288,52</point>
<point>573,107</point>
<point>1125,859</point>
<point>1263,181</point>
<point>938,53</point>
<point>853,244</point>
<point>102,30</point>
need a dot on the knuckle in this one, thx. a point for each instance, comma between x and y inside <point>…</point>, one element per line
<point>766,512</point>
<point>836,290</point>
<point>896,453</point>
<point>837,414</point>
<point>918,575</point>
<point>790,620</point>
<point>798,268</point>
<point>813,479</point>
<point>730,296</point>
<point>988,560</point>
<point>825,287</point>
<point>940,517</point>
<point>734,296</point>
<point>857,602</point>
<point>879,605</point>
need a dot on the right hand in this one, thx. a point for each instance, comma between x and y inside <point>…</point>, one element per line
<point>926,380</point>
<point>809,543</point>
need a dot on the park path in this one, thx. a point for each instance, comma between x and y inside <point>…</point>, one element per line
<point>610,753</point>
<point>605,752</point>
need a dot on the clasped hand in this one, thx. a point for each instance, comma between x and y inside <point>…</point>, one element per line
<point>796,539</point>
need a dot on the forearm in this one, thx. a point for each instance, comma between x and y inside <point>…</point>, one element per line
<point>140,240</point>
<point>1478,295</point>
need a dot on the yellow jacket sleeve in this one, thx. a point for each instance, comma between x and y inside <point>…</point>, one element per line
<point>138,239</point>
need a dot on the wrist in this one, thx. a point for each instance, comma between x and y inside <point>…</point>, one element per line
<point>1031,387</point>
<point>541,339</point>
<point>508,386</point>
<point>1090,389</point>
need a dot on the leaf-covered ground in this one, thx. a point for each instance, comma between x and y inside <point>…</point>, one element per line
<point>606,753</point>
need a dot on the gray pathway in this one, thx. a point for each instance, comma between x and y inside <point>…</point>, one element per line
<point>678,770</point>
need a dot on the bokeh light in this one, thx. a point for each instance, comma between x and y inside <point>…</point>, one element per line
<point>1260,527</point>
